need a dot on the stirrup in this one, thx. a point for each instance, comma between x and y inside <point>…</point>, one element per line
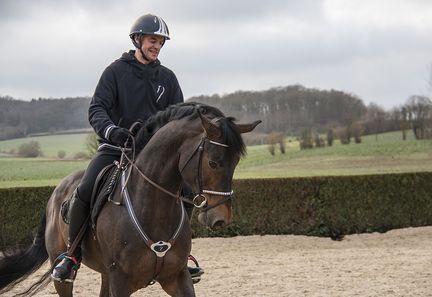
<point>73,270</point>
<point>196,271</point>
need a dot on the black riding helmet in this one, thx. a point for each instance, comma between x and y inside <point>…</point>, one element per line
<point>148,24</point>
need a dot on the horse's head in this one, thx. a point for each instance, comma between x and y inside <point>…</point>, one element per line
<point>207,163</point>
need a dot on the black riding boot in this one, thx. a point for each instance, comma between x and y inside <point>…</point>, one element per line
<point>66,269</point>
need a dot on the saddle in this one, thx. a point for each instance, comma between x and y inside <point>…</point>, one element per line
<point>105,185</point>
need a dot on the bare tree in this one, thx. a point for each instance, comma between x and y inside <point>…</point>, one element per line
<point>399,116</point>
<point>375,115</point>
<point>306,140</point>
<point>420,113</point>
<point>330,137</point>
<point>404,122</point>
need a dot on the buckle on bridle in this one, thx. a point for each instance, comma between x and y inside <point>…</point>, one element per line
<point>199,201</point>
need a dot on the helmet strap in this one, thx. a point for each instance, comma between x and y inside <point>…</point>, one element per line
<point>139,44</point>
<point>144,56</point>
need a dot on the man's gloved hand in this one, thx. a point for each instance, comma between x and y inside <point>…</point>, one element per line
<point>119,136</point>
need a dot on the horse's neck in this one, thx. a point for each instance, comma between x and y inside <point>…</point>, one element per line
<point>159,162</point>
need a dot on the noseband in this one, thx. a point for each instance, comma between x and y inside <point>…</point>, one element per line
<point>200,200</point>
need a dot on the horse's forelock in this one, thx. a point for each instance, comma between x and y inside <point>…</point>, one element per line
<point>232,137</point>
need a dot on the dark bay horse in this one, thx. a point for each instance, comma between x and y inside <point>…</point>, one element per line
<point>147,238</point>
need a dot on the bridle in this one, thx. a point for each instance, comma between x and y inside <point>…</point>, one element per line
<point>200,200</point>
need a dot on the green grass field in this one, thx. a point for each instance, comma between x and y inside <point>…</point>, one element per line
<point>50,145</point>
<point>386,153</point>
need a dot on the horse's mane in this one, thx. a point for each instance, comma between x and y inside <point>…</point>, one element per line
<point>230,134</point>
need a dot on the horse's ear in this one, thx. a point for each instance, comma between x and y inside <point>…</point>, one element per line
<point>245,128</point>
<point>212,127</point>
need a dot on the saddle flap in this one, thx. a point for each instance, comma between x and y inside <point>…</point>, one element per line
<point>104,187</point>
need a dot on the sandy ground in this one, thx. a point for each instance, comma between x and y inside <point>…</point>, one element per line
<point>397,263</point>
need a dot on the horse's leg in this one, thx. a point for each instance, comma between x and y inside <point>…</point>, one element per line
<point>63,289</point>
<point>104,291</point>
<point>55,234</point>
<point>119,284</point>
<point>181,286</point>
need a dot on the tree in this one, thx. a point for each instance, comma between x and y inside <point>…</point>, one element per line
<point>345,136</point>
<point>420,111</point>
<point>274,139</point>
<point>319,141</point>
<point>330,137</point>
<point>356,132</point>
<point>375,115</point>
<point>61,154</point>
<point>30,150</point>
<point>399,120</point>
<point>91,144</point>
<point>306,140</point>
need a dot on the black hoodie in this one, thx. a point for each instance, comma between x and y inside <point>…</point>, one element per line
<point>129,91</point>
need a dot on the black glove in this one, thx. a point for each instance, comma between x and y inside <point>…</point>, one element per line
<point>119,136</point>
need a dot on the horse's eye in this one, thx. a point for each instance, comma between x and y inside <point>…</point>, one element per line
<point>212,164</point>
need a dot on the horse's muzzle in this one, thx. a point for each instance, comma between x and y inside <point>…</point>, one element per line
<point>215,221</point>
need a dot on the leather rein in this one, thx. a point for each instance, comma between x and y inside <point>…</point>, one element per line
<point>200,201</point>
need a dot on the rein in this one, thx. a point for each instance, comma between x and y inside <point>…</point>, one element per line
<point>160,248</point>
<point>200,201</point>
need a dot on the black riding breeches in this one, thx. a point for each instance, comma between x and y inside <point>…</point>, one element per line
<point>100,160</point>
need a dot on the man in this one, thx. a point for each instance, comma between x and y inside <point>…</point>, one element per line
<point>132,88</point>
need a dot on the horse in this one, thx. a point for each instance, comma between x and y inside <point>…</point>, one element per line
<point>147,237</point>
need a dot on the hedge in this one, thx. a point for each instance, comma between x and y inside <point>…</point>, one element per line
<point>20,213</point>
<point>329,206</point>
<point>320,206</point>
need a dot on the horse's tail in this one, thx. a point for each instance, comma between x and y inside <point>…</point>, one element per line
<point>17,264</point>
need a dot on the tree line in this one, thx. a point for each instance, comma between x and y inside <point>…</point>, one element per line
<point>298,111</point>
<point>289,110</point>
<point>22,118</point>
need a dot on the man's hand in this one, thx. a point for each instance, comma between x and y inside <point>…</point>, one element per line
<point>119,136</point>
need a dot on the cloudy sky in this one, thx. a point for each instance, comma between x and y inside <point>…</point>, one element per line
<point>379,50</point>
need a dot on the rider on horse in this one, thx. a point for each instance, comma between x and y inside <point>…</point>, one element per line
<point>131,89</point>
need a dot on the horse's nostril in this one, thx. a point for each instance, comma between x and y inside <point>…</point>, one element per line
<point>218,224</point>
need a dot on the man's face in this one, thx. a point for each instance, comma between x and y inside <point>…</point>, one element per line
<point>151,46</point>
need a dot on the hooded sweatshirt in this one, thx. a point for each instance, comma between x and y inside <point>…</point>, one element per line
<point>129,91</point>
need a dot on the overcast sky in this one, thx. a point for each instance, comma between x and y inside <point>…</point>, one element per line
<point>379,50</point>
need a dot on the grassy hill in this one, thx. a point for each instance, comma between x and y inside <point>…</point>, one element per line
<point>386,153</point>
<point>50,144</point>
